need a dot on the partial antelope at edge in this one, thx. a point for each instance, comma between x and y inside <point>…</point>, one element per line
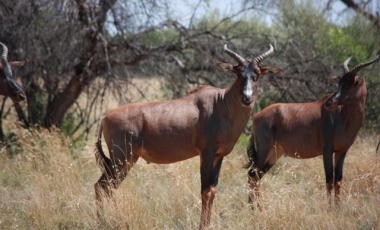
<point>8,86</point>
<point>326,127</point>
<point>207,123</point>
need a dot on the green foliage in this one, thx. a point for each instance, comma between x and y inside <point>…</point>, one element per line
<point>337,43</point>
<point>161,37</point>
<point>306,21</point>
<point>12,145</point>
<point>300,22</point>
<point>269,99</point>
<point>247,29</point>
<point>5,178</point>
<point>243,141</point>
<point>372,118</point>
<point>38,110</point>
<point>68,126</point>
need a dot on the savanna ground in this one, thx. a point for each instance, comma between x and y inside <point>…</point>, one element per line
<point>46,183</point>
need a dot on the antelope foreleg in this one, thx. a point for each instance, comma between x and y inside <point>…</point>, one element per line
<point>329,188</point>
<point>210,169</point>
<point>329,169</point>
<point>207,202</point>
<point>337,192</point>
<point>254,188</point>
<point>339,162</point>
<point>254,182</point>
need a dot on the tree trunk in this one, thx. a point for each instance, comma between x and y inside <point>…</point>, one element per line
<point>63,101</point>
<point>91,54</point>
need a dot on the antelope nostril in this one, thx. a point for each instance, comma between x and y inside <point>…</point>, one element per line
<point>20,96</point>
<point>247,100</point>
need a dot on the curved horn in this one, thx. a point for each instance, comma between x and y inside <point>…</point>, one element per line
<point>264,55</point>
<point>4,56</point>
<point>361,66</point>
<point>235,56</point>
<point>5,51</point>
<point>345,65</point>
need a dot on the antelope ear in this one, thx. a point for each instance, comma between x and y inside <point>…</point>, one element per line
<point>269,70</point>
<point>333,79</point>
<point>16,64</point>
<point>226,67</point>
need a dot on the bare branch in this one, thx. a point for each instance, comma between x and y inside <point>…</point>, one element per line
<point>373,18</point>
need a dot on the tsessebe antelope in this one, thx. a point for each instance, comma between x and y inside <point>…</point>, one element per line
<point>207,123</point>
<point>305,130</point>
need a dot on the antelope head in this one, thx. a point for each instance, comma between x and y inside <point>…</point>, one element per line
<point>248,72</point>
<point>8,86</point>
<point>351,86</point>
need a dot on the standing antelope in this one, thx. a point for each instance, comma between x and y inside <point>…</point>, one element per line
<point>206,122</point>
<point>305,130</point>
<point>8,87</point>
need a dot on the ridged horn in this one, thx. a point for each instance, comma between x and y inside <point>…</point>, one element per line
<point>264,55</point>
<point>4,56</point>
<point>235,56</point>
<point>345,65</point>
<point>361,66</point>
<point>5,51</point>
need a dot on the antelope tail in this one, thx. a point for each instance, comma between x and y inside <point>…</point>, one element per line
<point>101,159</point>
<point>251,152</point>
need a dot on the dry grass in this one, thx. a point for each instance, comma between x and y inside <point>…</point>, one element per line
<point>49,185</point>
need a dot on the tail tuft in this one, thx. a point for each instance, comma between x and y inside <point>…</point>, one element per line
<point>101,159</point>
<point>251,153</point>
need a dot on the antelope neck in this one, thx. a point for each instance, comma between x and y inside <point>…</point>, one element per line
<point>233,101</point>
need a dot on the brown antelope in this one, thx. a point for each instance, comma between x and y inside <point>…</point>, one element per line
<point>305,130</point>
<point>8,87</point>
<point>206,122</point>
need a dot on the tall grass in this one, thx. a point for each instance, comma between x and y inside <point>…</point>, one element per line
<point>47,184</point>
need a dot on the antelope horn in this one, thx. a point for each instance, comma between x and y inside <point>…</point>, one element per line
<point>4,56</point>
<point>235,56</point>
<point>361,66</point>
<point>5,51</point>
<point>345,65</point>
<point>264,55</point>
